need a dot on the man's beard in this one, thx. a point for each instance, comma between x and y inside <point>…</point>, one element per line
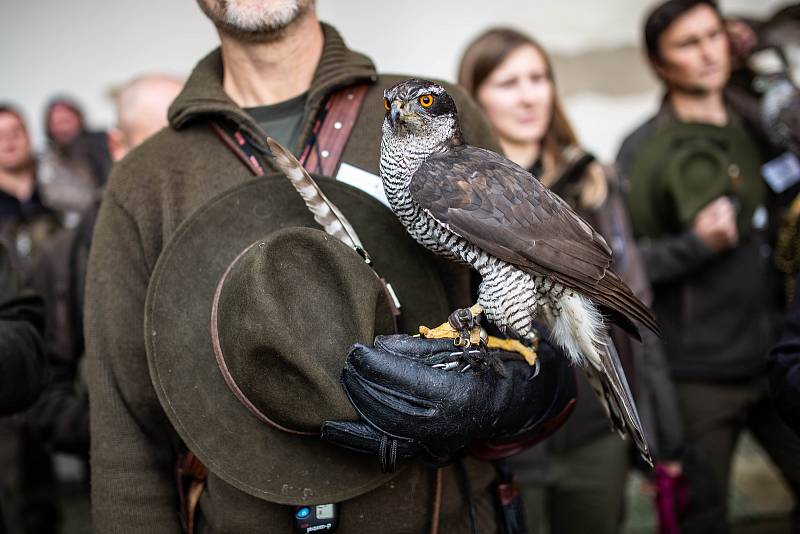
<point>690,89</point>
<point>694,88</point>
<point>253,21</point>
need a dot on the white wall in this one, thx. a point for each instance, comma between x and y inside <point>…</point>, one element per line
<point>84,47</point>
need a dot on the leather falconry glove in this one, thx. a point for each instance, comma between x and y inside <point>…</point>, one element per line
<point>411,407</point>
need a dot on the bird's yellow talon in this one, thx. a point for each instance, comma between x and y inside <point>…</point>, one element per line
<point>512,345</point>
<point>445,331</point>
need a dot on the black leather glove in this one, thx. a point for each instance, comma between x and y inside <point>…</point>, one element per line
<point>412,407</point>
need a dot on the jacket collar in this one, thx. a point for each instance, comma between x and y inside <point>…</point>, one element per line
<point>203,96</point>
<point>667,115</point>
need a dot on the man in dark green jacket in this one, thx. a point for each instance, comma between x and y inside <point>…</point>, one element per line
<point>697,202</point>
<point>274,72</point>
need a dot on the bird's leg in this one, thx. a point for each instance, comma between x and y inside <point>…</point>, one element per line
<point>513,345</point>
<point>472,340</point>
<point>449,330</point>
<point>468,325</point>
<point>463,327</point>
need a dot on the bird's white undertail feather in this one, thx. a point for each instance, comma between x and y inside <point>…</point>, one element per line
<point>579,329</point>
<point>325,212</point>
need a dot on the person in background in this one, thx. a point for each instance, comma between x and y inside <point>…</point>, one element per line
<point>26,226</point>
<point>76,162</point>
<point>22,373</point>
<point>26,223</point>
<point>511,77</point>
<point>61,416</point>
<point>749,38</point>
<point>784,369</point>
<point>765,88</point>
<point>60,419</point>
<point>141,106</point>
<point>697,202</point>
<point>21,326</point>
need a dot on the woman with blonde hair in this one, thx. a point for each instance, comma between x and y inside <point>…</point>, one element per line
<point>574,482</point>
<point>511,77</point>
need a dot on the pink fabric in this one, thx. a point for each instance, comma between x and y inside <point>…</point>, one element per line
<point>670,500</point>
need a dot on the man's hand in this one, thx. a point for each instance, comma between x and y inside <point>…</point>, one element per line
<point>411,408</point>
<point>715,225</point>
<point>742,40</point>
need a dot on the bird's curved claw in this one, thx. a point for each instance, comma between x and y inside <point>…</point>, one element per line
<point>449,366</point>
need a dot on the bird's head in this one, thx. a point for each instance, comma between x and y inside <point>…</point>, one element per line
<point>420,108</point>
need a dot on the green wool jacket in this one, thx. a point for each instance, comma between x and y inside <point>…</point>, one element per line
<point>150,192</point>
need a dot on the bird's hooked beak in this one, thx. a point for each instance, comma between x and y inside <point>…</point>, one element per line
<point>397,113</point>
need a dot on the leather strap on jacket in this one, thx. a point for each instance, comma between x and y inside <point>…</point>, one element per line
<point>236,143</point>
<point>191,476</point>
<point>323,149</point>
<point>330,133</point>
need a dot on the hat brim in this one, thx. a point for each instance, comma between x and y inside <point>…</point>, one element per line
<point>243,451</point>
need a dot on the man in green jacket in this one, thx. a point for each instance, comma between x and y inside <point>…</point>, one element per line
<point>279,71</point>
<point>697,202</point>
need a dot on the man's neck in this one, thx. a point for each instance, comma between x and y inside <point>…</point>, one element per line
<point>18,183</point>
<point>707,108</point>
<point>260,74</point>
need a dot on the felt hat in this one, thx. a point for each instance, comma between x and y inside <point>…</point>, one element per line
<point>698,171</point>
<point>684,166</point>
<point>250,312</point>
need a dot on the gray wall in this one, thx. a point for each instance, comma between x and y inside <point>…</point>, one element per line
<point>85,47</point>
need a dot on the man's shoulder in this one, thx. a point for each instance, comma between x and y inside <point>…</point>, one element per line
<point>151,150</point>
<point>141,154</point>
<point>140,173</point>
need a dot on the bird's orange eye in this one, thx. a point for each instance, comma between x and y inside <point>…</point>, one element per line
<point>426,101</point>
<point>386,105</point>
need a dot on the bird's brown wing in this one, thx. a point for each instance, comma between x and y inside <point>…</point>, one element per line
<point>498,206</point>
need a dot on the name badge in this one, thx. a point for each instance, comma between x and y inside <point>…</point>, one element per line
<point>782,172</point>
<point>366,181</point>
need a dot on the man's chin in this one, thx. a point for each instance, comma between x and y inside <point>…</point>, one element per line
<point>266,35</point>
<point>253,26</point>
<point>701,88</point>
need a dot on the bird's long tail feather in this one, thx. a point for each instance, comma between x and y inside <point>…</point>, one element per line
<point>611,386</point>
<point>325,212</point>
